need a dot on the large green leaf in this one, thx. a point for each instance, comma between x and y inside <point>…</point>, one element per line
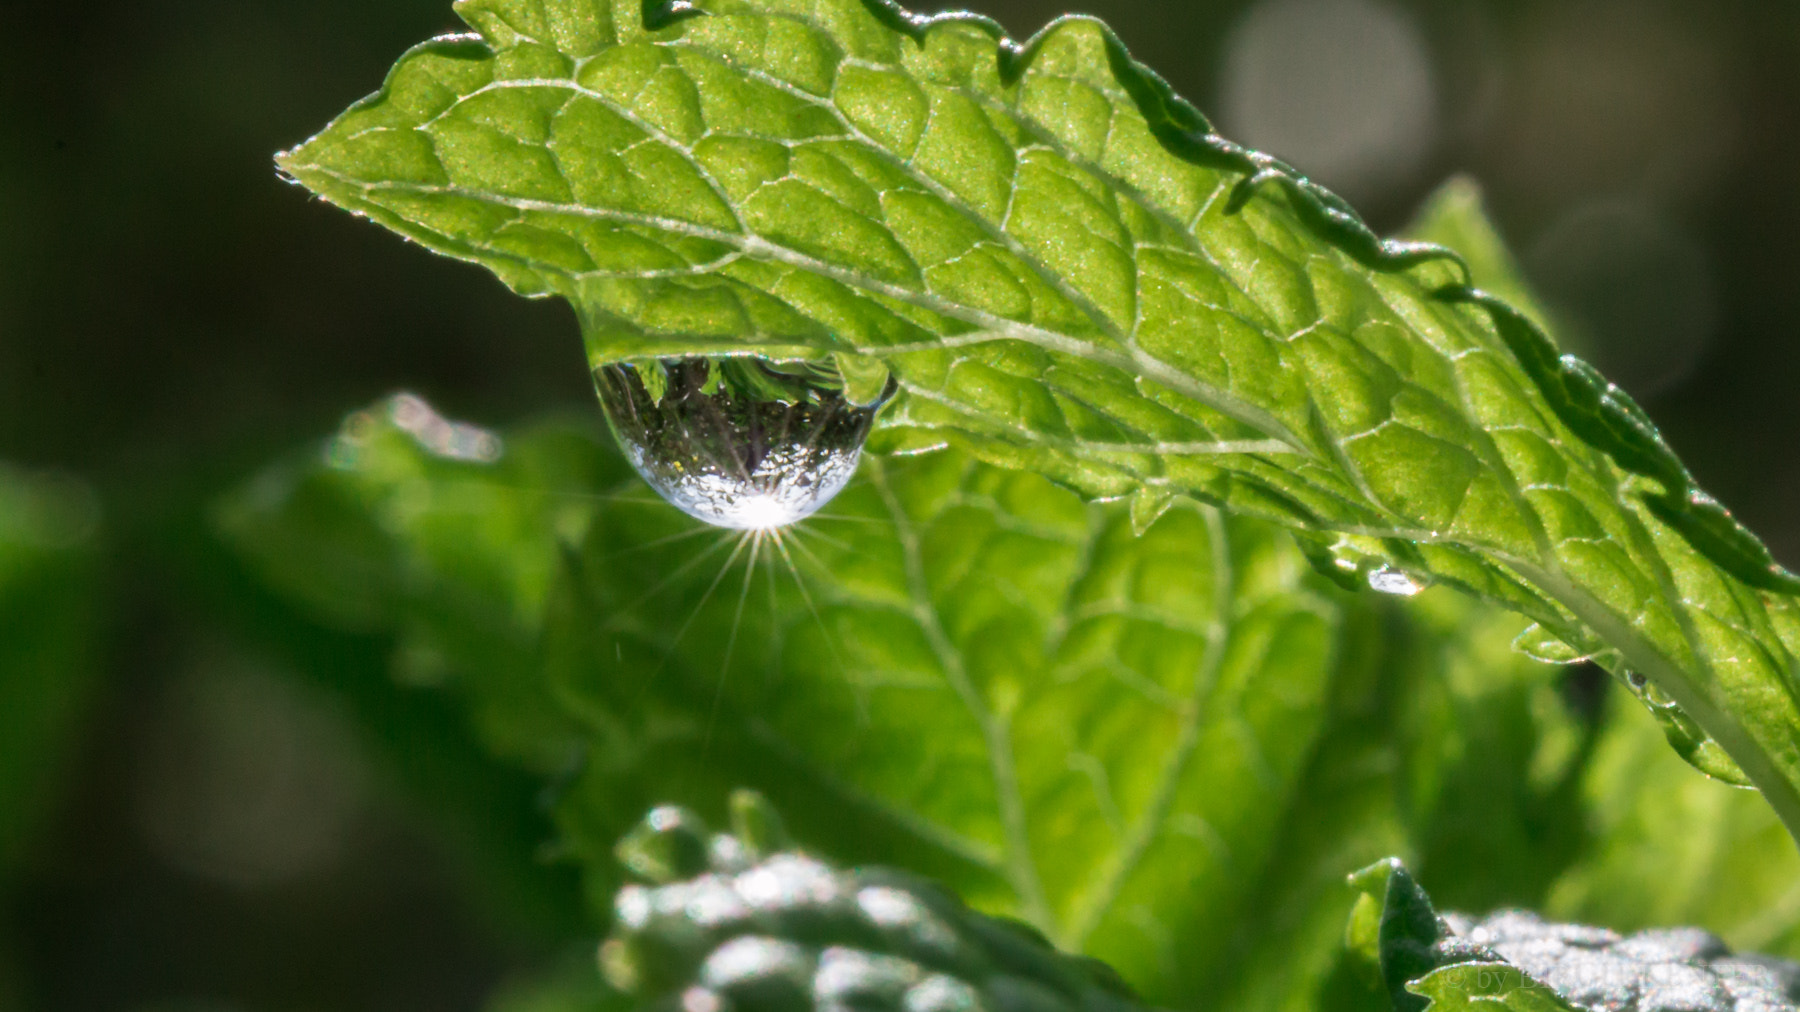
<point>1069,273</point>
<point>1106,729</point>
<point>976,674</point>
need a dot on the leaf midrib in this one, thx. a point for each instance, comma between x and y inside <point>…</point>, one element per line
<point>1020,867</point>
<point>1092,907</point>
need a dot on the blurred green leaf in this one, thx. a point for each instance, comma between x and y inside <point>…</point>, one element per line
<point>377,533</point>
<point>571,986</point>
<point>1671,848</point>
<point>50,585</point>
<point>1070,712</point>
<point>1069,273</point>
<point>367,619</point>
<point>1454,217</point>
<point>49,588</point>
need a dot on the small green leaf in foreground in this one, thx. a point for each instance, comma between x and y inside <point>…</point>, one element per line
<point>1394,927</point>
<point>1486,987</point>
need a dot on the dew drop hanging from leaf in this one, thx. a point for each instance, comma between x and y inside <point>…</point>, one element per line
<point>743,443</point>
<point>1389,580</point>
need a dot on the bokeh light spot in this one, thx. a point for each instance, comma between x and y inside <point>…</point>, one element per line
<point>1341,88</point>
<point>1628,290</point>
<point>246,781</point>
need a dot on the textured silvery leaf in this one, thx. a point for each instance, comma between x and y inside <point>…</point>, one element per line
<point>1516,959</point>
<point>759,925</point>
<point>1068,272</point>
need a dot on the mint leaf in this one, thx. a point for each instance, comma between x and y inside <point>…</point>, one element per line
<point>1069,273</point>
<point>1099,703</point>
<point>1454,217</point>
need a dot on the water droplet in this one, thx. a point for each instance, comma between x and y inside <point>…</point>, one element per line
<point>737,442</point>
<point>1541,644</point>
<point>1388,580</point>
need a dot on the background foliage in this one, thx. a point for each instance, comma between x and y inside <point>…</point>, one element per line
<point>171,318</point>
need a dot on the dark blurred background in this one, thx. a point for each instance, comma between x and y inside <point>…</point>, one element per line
<point>172,316</point>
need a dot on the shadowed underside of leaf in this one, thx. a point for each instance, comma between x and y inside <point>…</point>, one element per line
<point>1068,272</point>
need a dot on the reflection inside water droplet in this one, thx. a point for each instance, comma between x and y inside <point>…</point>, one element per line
<point>1389,580</point>
<point>737,442</point>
